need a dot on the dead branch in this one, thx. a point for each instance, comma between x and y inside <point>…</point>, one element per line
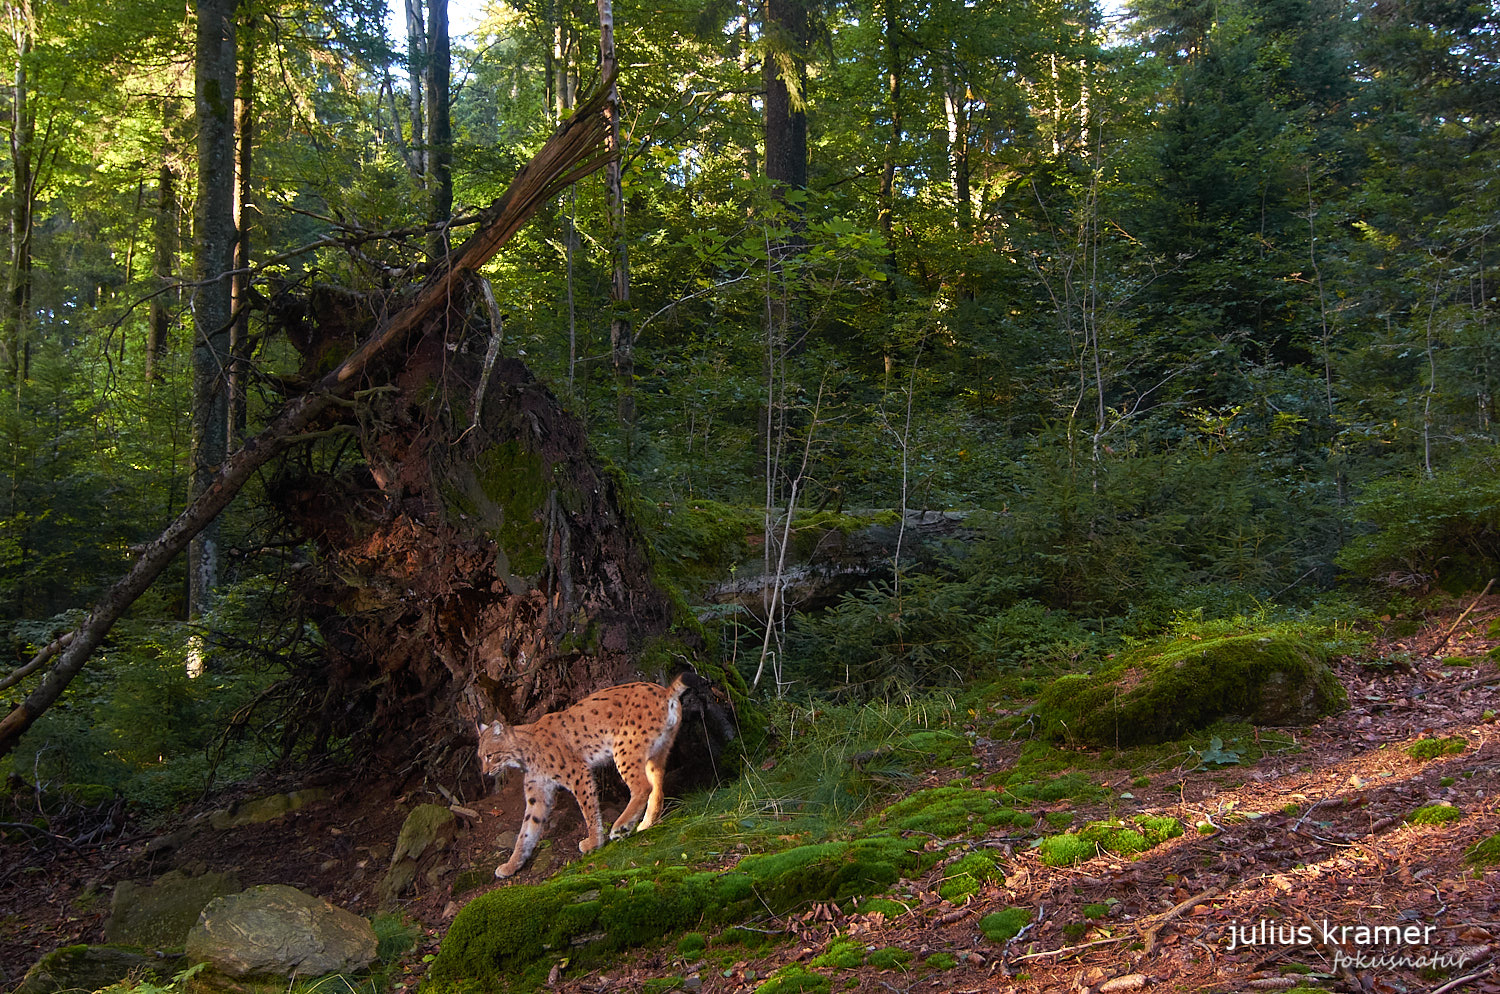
<point>1475,603</point>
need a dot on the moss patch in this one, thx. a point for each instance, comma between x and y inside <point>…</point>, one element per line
<point>794,979</point>
<point>1164,691</point>
<point>1127,839</point>
<point>951,812</point>
<point>1434,814</point>
<point>511,935</point>
<point>891,958</point>
<point>1002,926</point>
<point>1485,852</point>
<point>1433,748</point>
<point>964,878</point>
<point>841,954</point>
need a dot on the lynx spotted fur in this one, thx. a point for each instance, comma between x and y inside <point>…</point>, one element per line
<point>634,723</point>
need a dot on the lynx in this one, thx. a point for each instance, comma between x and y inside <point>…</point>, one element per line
<point>635,723</point>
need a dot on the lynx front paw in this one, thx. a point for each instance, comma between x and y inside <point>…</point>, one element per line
<point>587,844</point>
<point>507,869</point>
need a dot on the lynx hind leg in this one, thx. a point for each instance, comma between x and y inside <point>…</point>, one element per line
<point>586,793</point>
<point>539,794</point>
<point>656,773</point>
<point>656,757</point>
<point>640,784</point>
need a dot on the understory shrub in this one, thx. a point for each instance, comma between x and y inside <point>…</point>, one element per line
<point>1445,527</point>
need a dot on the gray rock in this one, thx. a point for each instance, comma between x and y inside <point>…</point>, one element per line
<point>92,968</point>
<point>159,915</point>
<point>280,931</point>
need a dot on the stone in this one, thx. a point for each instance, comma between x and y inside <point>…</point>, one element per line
<point>264,809</point>
<point>92,968</point>
<point>280,931</point>
<point>429,828</point>
<point>159,915</point>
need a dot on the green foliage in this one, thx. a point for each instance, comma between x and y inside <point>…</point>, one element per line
<point>137,723</point>
<point>1435,748</point>
<point>941,961</point>
<point>1434,814</point>
<point>1444,526</point>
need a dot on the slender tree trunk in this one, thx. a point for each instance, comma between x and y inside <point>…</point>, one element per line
<point>621,335</point>
<point>212,298</point>
<point>164,252</point>
<point>439,129</point>
<point>887,204</point>
<point>15,343</point>
<point>416,60</point>
<point>956,106</point>
<point>239,343</point>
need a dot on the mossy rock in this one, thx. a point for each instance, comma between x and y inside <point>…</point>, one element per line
<point>159,915</point>
<point>264,809</point>
<point>92,968</point>
<point>1166,691</point>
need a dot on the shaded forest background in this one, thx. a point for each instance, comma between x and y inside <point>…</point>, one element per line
<point>1189,305</point>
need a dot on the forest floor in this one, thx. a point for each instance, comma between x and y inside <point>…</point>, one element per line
<point>1313,839</point>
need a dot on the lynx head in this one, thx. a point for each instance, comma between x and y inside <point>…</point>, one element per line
<point>497,749</point>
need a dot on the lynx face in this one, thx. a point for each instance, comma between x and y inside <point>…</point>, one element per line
<point>634,724</point>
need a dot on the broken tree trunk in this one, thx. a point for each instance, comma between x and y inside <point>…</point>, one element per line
<point>570,154</point>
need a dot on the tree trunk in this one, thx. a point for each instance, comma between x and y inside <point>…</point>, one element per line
<point>621,335</point>
<point>887,204</point>
<point>439,130</point>
<point>956,106</point>
<point>239,332</point>
<point>567,157</point>
<point>17,318</point>
<point>786,94</point>
<point>164,253</point>
<point>213,222</point>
